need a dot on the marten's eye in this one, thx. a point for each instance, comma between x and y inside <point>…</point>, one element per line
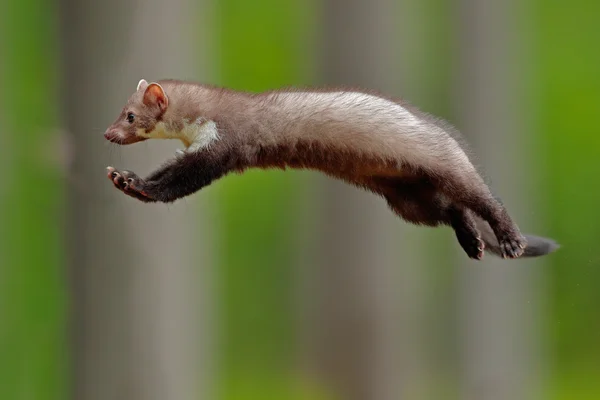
<point>130,117</point>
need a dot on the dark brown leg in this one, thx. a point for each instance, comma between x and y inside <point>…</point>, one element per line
<point>420,204</point>
<point>415,202</point>
<point>472,193</point>
<point>466,232</point>
<point>177,178</point>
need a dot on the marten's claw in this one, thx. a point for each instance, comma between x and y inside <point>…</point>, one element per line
<point>471,244</point>
<point>111,173</point>
<point>133,183</point>
<point>480,246</point>
<point>129,183</point>
<point>115,177</point>
<point>513,247</point>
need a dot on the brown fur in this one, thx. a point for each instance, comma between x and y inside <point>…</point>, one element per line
<point>417,162</point>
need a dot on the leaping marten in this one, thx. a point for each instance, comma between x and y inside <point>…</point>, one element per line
<point>412,159</point>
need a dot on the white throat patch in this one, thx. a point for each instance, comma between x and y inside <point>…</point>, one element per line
<point>195,135</point>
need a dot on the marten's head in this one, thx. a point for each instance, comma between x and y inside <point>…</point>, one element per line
<point>139,117</point>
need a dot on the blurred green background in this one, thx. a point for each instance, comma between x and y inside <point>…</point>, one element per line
<point>274,317</point>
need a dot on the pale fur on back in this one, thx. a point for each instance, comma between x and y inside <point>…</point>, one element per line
<point>371,125</point>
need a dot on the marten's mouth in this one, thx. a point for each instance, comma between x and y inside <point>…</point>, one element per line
<point>114,137</point>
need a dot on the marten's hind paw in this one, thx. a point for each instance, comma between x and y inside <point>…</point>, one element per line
<point>471,244</point>
<point>129,183</point>
<point>513,246</point>
<point>474,248</point>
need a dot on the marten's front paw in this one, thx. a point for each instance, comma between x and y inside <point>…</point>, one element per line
<point>129,183</point>
<point>513,246</point>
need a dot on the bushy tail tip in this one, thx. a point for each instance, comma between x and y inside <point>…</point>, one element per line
<point>539,246</point>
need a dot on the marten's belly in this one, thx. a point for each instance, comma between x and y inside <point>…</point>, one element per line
<point>343,164</point>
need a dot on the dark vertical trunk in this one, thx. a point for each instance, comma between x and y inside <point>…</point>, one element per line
<point>134,267</point>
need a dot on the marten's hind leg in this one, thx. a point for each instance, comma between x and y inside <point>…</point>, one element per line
<point>421,204</point>
<point>470,191</point>
<point>416,202</point>
<point>468,236</point>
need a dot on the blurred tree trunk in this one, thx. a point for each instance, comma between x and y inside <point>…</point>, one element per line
<point>136,293</point>
<point>499,299</point>
<point>362,293</point>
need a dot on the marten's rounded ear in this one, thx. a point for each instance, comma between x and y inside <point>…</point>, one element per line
<point>142,84</point>
<point>155,95</point>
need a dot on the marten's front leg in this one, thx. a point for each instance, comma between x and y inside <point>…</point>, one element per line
<point>178,178</point>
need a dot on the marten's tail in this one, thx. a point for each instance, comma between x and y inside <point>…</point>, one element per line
<point>536,245</point>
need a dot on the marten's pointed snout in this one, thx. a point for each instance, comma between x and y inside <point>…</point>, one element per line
<point>115,136</point>
<point>111,135</point>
